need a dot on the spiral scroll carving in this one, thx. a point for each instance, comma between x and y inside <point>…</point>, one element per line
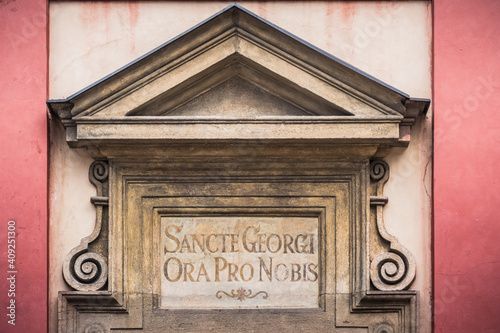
<point>98,173</point>
<point>395,268</point>
<point>90,267</point>
<point>84,269</point>
<point>383,328</point>
<point>379,169</point>
<point>391,271</point>
<point>95,328</point>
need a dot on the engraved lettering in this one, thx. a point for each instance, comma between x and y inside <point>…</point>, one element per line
<point>311,244</point>
<point>165,270</point>
<point>224,242</point>
<point>202,272</point>
<point>185,245</point>
<point>262,242</point>
<point>296,272</point>
<point>270,242</point>
<point>245,239</point>
<point>231,273</point>
<point>277,273</point>
<point>250,275</point>
<point>312,269</point>
<point>267,271</point>
<point>300,247</point>
<point>218,268</point>
<point>258,261</point>
<point>199,242</point>
<point>188,269</point>
<point>172,237</point>
<point>210,249</point>
<point>234,243</point>
<point>288,243</point>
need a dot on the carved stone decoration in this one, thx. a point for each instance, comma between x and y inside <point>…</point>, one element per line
<point>95,328</point>
<point>85,267</point>
<point>239,133</point>
<point>383,328</point>
<point>395,268</point>
<point>241,294</point>
<point>275,86</point>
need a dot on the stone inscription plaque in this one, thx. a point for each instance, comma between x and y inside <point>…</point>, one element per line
<point>239,262</point>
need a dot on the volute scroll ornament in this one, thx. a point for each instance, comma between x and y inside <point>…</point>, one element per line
<point>394,269</point>
<point>383,328</point>
<point>95,328</point>
<point>85,267</point>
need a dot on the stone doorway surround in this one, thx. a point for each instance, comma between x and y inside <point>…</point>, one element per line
<point>238,119</point>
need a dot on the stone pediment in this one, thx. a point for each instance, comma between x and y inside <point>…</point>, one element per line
<point>239,132</point>
<point>240,72</point>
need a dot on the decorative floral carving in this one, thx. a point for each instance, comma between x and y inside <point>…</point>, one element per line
<point>241,294</point>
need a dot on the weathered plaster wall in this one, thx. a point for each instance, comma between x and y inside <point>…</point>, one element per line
<point>467,151</point>
<point>23,161</point>
<point>390,40</point>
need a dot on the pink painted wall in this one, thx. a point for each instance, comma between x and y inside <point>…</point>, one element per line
<point>23,161</point>
<point>466,169</point>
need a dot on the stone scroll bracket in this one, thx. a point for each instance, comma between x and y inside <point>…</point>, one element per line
<point>394,268</point>
<point>85,267</point>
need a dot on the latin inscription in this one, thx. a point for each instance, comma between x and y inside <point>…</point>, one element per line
<point>239,262</point>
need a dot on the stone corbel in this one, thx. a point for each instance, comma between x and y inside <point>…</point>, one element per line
<point>85,267</point>
<point>394,268</point>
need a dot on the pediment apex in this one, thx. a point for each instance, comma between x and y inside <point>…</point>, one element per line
<point>235,44</point>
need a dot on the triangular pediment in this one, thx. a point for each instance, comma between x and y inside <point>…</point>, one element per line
<point>237,87</point>
<point>232,98</point>
<point>234,68</point>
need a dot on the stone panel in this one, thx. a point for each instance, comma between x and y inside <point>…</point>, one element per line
<point>239,262</point>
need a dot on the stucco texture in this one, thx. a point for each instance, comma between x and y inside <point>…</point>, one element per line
<point>467,151</point>
<point>23,163</point>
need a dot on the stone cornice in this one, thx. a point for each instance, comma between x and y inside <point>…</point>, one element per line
<point>309,93</point>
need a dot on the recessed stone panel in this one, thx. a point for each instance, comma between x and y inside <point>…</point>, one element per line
<point>233,262</point>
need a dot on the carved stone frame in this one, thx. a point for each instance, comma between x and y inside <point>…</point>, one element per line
<point>326,162</point>
<point>143,191</point>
